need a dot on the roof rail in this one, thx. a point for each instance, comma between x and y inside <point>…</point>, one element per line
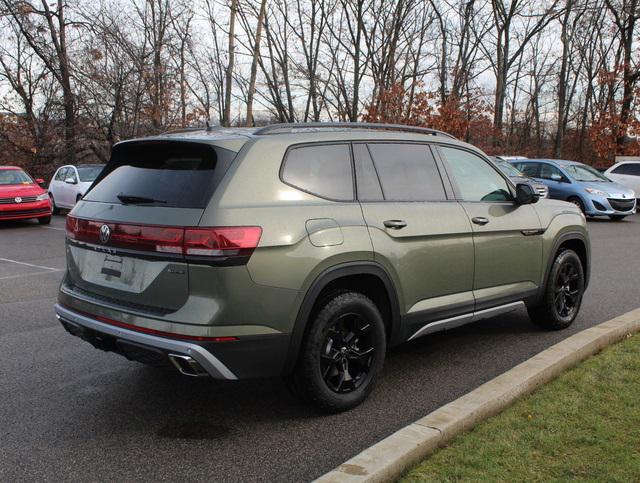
<point>290,127</point>
<point>184,129</point>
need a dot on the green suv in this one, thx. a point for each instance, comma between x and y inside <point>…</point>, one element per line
<point>306,250</point>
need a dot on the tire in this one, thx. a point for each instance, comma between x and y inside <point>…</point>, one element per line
<point>56,210</point>
<point>576,201</point>
<point>563,293</point>
<point>342,354</point>
<point>45,220</point>
<point>617,217</point>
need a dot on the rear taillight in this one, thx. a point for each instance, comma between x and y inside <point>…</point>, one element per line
<point>222,241</point>
<point>239,241</point>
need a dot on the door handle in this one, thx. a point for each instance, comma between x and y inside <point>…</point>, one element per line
<point>395,224</point>
<point>480,220</point>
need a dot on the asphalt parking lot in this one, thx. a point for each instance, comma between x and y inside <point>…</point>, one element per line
<point>70,412</point>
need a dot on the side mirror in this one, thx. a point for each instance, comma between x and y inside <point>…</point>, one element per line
<point>525,194</point>
<point>556,177</point>
<point>40,181</point>
<point>70,181</point>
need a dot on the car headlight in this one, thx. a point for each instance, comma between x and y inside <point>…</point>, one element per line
<point>596,192</point>
<point>42,197</point>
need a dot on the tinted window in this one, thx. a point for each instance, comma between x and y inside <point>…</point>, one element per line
<point>323,170</point>
<point>174,173</point>
<point>89,173</point>
<point>632,169</point>
<point>366,178</point>
<point>476,179</point>
<point>407,172</point>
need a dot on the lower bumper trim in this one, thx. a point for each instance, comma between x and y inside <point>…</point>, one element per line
<point>211,364</point>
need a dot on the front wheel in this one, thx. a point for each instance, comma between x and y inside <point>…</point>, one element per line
<point>563,293</point>
<point>342,354</point>
<point>578,202</point>
<point>45,220</point>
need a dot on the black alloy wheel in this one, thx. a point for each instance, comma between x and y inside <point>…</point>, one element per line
<point>567,290</point>
<point>347,353</point>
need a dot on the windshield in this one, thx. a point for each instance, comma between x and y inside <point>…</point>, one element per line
<point>581,172</point>
<point>14,176</point>
<point>88,174</point>
<point>510,170</point>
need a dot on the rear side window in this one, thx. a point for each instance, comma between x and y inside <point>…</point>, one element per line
<point>530,169</point>
<point>632,169</point>
<point>175,174</point>
<point>323,170</point>
<point>407,172</point>
<point>366,177</point>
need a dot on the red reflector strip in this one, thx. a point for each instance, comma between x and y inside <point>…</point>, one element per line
<point>159,333</point>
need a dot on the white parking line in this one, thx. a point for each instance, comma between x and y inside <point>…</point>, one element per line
<point>29,264</point>
<point>29,274</point>
<point>53,228</point>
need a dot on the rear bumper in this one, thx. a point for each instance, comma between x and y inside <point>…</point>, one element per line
<point>256,356</point>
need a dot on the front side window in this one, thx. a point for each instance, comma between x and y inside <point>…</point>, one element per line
<point>60,174</point>
<point>323,170</point>
<point>475,178</point>
<point>407,172</point>
<point>548,171</point>
<point>532,170</point>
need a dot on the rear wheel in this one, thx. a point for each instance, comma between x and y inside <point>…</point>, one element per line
<point>45,220</point>
<point>563,294</point>
<point>342,354</point>
<point>577,201</point>
<point>617,217</point>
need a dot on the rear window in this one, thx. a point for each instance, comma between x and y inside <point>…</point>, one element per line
<point>175,174</point>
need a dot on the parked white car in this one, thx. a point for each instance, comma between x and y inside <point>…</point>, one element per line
<point>627,173</point>
<point>70,183</point>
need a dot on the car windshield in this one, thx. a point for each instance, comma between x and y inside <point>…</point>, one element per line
<point>581,172</point>
<point>510,170</point>
<point>14,176</point>
<point>88,174</point>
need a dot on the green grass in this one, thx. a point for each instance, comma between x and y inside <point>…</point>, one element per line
<point>583,426</point>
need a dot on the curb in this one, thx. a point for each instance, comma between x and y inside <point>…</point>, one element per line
<point>389,458</point>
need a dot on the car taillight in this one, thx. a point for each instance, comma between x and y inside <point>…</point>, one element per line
<point>191,242</point>
<point>221,241</point>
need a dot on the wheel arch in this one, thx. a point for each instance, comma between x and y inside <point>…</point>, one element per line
<point>365,277</point>
<point>577,242</point>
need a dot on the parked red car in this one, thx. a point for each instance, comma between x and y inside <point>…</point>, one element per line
<point>21,197</point>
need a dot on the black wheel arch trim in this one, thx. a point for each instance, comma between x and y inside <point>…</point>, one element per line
<point>320,282</point>
<point>565,237</point>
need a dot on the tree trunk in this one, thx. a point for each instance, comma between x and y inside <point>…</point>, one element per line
<point>226,118</point>
<point>254,64</point>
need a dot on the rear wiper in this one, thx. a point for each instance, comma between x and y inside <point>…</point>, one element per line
<point>134,200</point>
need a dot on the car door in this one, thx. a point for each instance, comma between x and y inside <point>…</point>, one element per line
<point>69,189</point>
<point>58,186</point>
<point>555,180</point>
<point>507,237</point>
<point>419,233</point>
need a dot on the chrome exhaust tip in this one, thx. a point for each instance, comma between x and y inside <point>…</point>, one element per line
<point>187,365</point>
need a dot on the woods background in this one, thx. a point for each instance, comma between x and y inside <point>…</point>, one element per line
<point>532,77</point>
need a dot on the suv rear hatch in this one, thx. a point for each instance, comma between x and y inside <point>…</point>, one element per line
<point>131,238</point>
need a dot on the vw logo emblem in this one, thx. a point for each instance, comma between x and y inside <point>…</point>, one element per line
<point>17,199</point>
<point>105,234</point>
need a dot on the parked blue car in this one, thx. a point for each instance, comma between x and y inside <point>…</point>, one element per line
<point>594,193</point>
